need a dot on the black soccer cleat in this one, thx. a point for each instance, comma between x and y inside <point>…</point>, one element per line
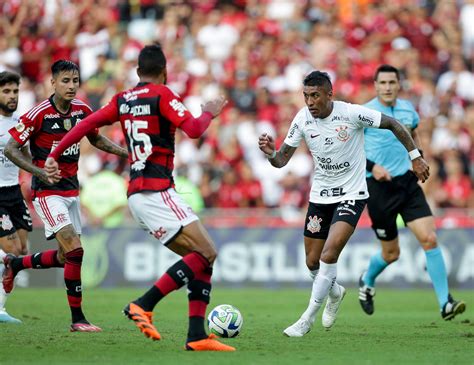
<point>452,308</point>
<point>366,297</point>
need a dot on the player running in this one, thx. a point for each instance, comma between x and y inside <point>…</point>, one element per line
<point>149,115</point>
<point>394,190</point>
<point>15,219</point>
<point>56,201</point>
<point>334,133</point>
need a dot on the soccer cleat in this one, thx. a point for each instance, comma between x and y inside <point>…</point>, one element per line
<point>208,344</point>
<point>452,308</point>
<point>6,318</point>
<point>366,297</point>
<point>143,320</point>
<point>331,309</point>
<point>298,329</point>
<point>84,327</point>
<point>8,275</point>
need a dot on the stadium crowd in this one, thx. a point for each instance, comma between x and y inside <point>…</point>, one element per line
<point>257,53</point>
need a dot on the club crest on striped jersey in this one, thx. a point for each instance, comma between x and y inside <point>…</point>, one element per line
<point>67,124</point>
<point>20,127</point>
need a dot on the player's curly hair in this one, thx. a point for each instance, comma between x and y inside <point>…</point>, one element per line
<point>318,78</point>
<point>7,77</point>
<point>151,60</point>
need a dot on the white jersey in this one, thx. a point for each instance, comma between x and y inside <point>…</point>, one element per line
<point>337,146</point>
<point>8,170</point>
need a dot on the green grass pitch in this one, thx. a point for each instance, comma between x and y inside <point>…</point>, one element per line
<point>405,329</point>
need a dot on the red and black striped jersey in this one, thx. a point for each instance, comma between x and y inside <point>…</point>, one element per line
<point>149,115</point>
<point>44,126</point>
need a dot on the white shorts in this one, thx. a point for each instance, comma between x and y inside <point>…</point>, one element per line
<point>162,213</point>
<point>57,212</point>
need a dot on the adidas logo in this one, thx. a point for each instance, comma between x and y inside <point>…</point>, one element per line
<point>55,126</point>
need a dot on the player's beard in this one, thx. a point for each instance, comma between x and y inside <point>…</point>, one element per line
<point>8,109</point>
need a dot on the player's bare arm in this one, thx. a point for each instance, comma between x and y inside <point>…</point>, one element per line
<point>13,150</point>
<point>106,145</point>
<point>420,167</point>
<point>277,158</point>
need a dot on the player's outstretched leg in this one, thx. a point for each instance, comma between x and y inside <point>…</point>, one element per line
<point>452,308</point>
<point>366,296</point>
<point>72,279</point>
<point>335,297</point>
<point>13,265</point>
<point>181,273</point>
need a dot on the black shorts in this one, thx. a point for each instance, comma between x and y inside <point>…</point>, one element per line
<point>320,217</point>
<point>387,199</point>
<point>14,213</point>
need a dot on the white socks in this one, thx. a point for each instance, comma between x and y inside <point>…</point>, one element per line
<point>334,291</point>
<point>3,295</point>
<point>2,255</point>
<point>322,284</point>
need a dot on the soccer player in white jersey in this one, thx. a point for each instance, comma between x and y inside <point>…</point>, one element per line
<point>15,219</point>
<point>334,134</point>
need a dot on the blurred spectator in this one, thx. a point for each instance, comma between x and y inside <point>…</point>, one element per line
<point>257,52</point>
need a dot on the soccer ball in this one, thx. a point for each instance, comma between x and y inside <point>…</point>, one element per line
<point>225,321</point>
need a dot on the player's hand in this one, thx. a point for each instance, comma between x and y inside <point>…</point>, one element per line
<point>51,168</point>
<point>214,106</point>
<point>421,169</point>
<point>266,144</point>
<point>380,173</point>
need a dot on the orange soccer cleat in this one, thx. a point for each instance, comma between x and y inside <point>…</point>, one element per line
<point>8,275</point>
<point>208,344</point>
<point>143,320</point>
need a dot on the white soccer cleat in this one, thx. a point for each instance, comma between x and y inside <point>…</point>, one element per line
<point>298,329</point>
<point>331,309</point>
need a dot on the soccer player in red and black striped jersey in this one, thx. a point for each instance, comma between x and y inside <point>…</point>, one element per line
<point>149,115</point>
<point>56,199</point>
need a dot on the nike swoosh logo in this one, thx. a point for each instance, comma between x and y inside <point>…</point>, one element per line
<point>344,213</point>
<point>314,135</point>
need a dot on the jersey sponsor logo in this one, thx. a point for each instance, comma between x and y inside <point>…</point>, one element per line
<point>77,113</point>
<point>124,109</point>
<point>326,164</point>
<point>332,192</point>
<point>314,224</point>
<point>178,107</point>
<point>141,110</point>
<point>67,124</point>
<point>342,133</point>
<point>366,119</point>
<point>340,118</point>
<point>6,222</point>
<point>51,116</point>
<point>292,131</point>
<point>71,150</point>
<point>26,133</point>
<point>328,141</point>
<point>132,95</point>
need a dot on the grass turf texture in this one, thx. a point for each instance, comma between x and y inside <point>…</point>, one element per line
<point>406,328</point>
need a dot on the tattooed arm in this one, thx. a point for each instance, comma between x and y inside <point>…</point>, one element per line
<point>277,158</point>
<point>105,144</point>
<point>420,167</point>
<point>13,150</point>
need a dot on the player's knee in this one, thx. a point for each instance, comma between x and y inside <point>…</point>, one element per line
<point>330,255</point>
<point>429,240</point>
<point>391,255</point>
<point>312,263</point>
<point>210,254</point>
